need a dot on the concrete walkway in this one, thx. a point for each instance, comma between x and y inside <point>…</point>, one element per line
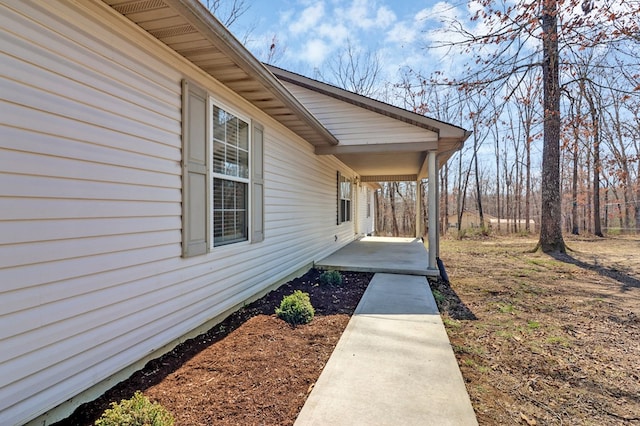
<point>381,254</point>
<point>393,364</point>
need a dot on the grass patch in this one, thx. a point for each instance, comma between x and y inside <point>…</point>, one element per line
<point>505,334</point>
<point>533,325</point>
<point>506,308</point>
<point>528,288</point>
<point>483,369</point>
<point>451,323</point>
<point>558,340</point>
<point>467,350</point>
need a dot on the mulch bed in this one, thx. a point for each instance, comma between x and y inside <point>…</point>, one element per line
<point>251,369</point>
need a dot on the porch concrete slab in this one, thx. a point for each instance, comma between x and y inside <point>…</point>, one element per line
<point>381,254</point>
<point>393,364</point>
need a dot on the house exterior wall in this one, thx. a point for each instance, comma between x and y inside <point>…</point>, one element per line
<point>90,204</point>
<point>365,222</point>
<point>353,125</point>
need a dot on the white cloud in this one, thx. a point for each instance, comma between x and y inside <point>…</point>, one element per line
<point>358,14</point>
<point>385,17</point>
<point>308,19</point>
<point>337,34</point>
<point>314,52</point>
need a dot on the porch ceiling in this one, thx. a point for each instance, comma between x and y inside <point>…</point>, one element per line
<point>393,162</point>
<point>188,28</point>
<point>392,166</point>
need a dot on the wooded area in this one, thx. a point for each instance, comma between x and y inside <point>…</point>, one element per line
<point>501,171</point>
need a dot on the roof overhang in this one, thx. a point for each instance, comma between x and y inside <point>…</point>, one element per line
<point>392,160</point>
<point>187,27</point>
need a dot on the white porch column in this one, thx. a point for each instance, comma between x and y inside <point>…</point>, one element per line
<point>433,207</point>
<point>418,208</point>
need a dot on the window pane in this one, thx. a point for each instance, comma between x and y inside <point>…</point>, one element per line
<point>217,194</point>
<point>229,195</point>
<point>229,211</point>
<point>231,168</point>
<point>241,225</point>
<point>232,130</point>
<point>230,144</point>
<point>241,196</point>
<point>243,164</point>
<point>217,226</point>
<point>243,135</point>
<point>219,157</point>
<point>229,229</point>
<point>219,120</point>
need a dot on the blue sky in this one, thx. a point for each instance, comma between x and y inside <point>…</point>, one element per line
<point>310,32</point>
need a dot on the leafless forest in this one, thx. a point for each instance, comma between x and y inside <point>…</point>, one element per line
<point>551,91</point>
<point>496,183</point>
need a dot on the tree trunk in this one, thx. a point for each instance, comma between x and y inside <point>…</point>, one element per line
<point>497,151</point>
<point>379,214</point>
<point>587,213</point>
<point>425,208</point>
<point>551,216</point>
<point>392,201</point>
<point>478,190</point>
<point>575,230</point>
<point>637,203</point>
<point>527,196</point>
<point>606,205</point>
<point>595,122</point>
<point>445,194</point>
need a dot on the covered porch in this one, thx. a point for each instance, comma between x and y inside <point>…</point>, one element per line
<point>381,143</point>
<point>406,256</point>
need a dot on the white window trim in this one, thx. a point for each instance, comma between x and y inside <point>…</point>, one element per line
<point>211,174</point>
<point>349,180</point>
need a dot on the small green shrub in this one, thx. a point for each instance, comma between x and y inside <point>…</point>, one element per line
<point>333,278</point>
<point>439,297</point>
<point>296,308</point>
<point>136,411</point>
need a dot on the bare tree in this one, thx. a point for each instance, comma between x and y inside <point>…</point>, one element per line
<point>527,101</point>
<point>227,11</point>
<point>353,69</point>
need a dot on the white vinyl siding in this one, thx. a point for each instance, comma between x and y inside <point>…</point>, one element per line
<point>353,125</point>
<point>91,265</point>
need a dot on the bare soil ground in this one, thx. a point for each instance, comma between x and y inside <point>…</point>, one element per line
<point>546,340</point>
<point>539,340</point>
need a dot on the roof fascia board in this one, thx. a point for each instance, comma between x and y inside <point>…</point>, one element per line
<point>198,16</point>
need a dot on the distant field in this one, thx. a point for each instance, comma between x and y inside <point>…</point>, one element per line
<point>544,340</point>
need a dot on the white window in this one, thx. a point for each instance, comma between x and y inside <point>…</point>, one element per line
<point>230,176</point>
<point>344,199</point>
<point>222,175</point>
